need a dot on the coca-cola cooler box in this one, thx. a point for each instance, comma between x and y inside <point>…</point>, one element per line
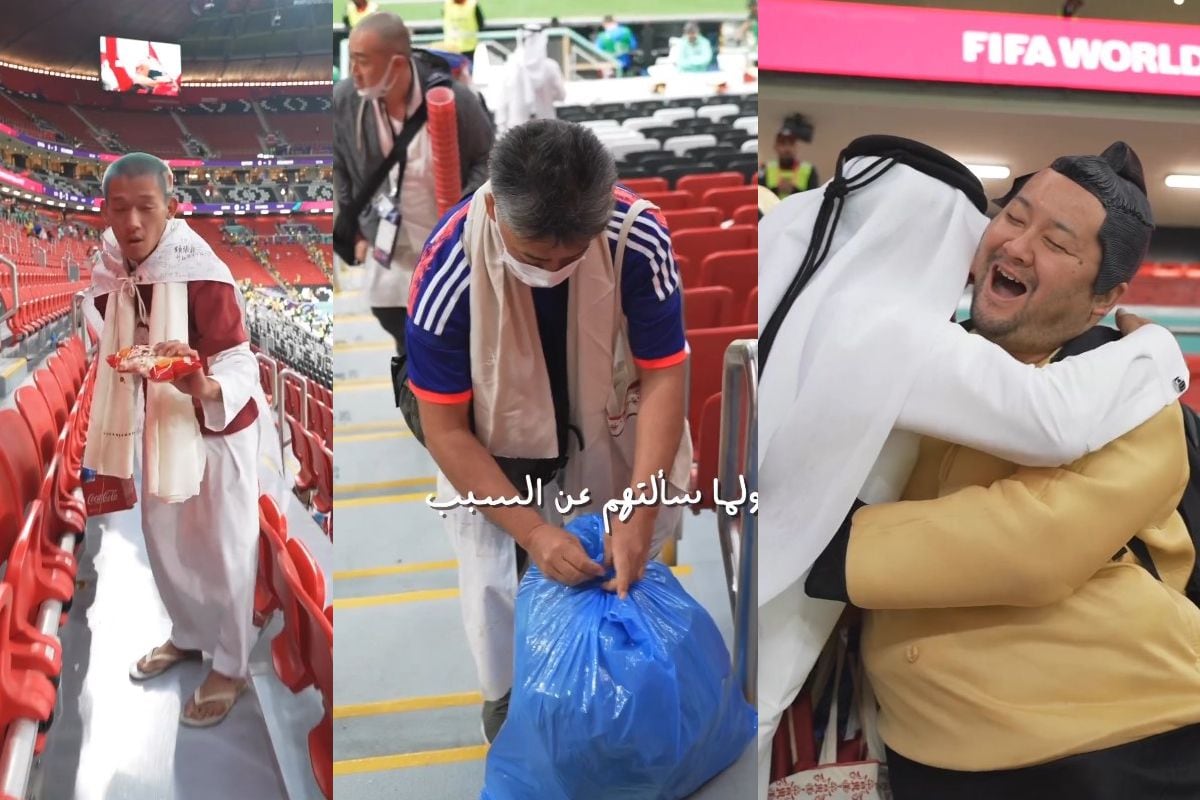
<point>105,494</point>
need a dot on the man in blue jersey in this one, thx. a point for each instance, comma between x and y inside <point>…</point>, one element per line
<point>546,343</point>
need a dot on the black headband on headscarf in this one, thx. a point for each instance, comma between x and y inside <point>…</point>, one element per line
<point>890,150</point>
<point>1115,178</point>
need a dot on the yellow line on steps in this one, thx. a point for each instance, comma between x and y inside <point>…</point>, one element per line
<point>394,569</point>
<point>361,384</point>
<point>363,347</point>
<point>399,597</point>
<point>372,437</point>
<point>382,500</point>
<point>430,594</point>
<point>354,318</point>
<point>372,486</point>
<point>12,369</point>
<point>428,758</point>
<point>403,704</point>
<point>361,427</point>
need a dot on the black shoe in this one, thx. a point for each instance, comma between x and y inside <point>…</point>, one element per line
<point>494,714</point>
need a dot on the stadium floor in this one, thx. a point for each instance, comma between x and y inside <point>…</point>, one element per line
<point>413,731</point>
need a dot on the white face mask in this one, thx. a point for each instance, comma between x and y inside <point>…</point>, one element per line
<point>383,87</point>
<point>537,277</point>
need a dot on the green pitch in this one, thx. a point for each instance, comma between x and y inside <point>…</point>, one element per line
<point>495,11</point>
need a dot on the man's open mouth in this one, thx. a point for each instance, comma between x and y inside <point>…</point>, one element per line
<point>1005,284</point>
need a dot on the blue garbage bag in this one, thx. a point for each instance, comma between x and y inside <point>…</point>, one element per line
<point>615,698</point>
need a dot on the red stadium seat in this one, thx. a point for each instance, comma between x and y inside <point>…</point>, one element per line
<point>737,269</point>
<point>687,218</point>
<point>287,648</point>
<point>707,307</point>
<point>697,185</point>
<point>643,185</point>
<point>33,408</point>
<point>318,644</point>
<point>696,244</point>
<point>300,448</point>
<point>56,401</point>
<point>708,451</point>
<point>322,459</point>
<point>311,577</point>
<point>730,198</point>
<point>707,368</point>
<point>671,201</point>
<point>750,311</point>
<point>746,215</point>
<point>269,516</point>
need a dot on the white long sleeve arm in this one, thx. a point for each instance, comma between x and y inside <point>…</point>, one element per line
<point>237,371</point>
<point>972,392</point>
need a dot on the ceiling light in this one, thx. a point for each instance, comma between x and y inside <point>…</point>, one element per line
<point>1183,181</point>
<point>988,172</point>
<point>1178,2</point>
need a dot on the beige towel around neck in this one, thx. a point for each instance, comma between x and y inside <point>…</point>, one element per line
<point>174,458</point>
<point>513,406</point>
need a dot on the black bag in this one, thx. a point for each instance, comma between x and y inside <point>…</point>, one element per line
<point>517,470</point>
<point>1189,504</point>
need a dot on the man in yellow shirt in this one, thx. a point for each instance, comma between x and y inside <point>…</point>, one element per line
<point>1013,655</point>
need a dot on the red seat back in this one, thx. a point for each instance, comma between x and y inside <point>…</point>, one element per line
<point>19,456</point>
<point>697,185</point>
<point>65,373</point>
<point>707,307</point>
<point>322,460</point>
<point>670,200</point>
<point>687,218</point>
<point>737,269</point>
<point>287,650</point>
<point>708,366</point>
<point>33,408</point>
<point>750,311</point>
<point>708,450</point>
<point>643,185</point>
<point>318,641</point>
<point>310,573</point>
<point>303,453</point>
<point>730,198</point>
<point>697,243</point>
<point>745,215</point>
<point>56,399</point>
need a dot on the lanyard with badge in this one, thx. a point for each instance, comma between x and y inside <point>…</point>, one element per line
<point>388,208</point>
<point>346,224</point>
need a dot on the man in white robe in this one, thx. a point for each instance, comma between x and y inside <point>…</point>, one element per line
<point>157,282</point>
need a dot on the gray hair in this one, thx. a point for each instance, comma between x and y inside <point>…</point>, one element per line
<point>691,27</point>
<point>390,29</point>
<point>139,165</point>
<point>553,180</point>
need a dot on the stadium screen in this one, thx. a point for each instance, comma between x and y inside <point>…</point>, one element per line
<point>138,67</point>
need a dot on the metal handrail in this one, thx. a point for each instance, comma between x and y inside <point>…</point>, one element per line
<point>738,533</point>
<point>12,268</point>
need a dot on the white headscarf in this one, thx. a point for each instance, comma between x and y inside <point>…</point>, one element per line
<point>896,268</point>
